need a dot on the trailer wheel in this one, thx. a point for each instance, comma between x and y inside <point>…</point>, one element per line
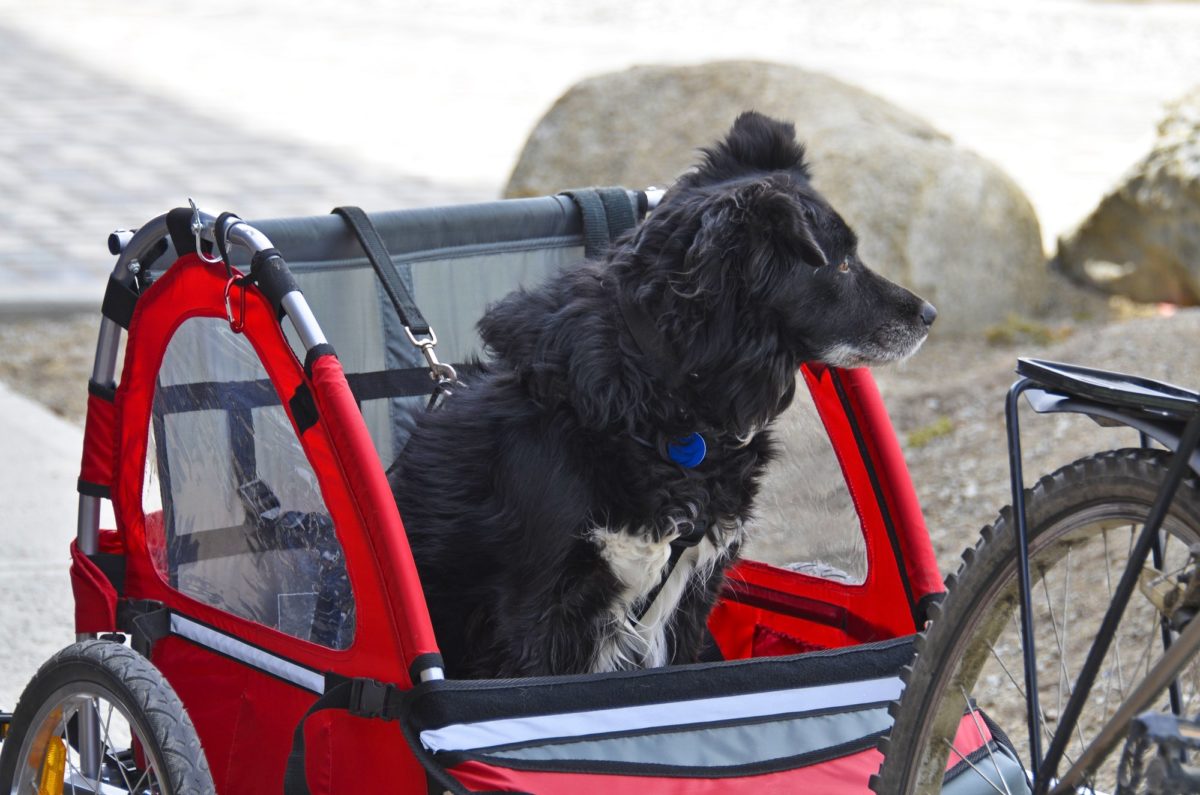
<point>98,717</point>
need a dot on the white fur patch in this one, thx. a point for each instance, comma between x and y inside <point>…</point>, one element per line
<point>843,354</point>
<point>638,562</point>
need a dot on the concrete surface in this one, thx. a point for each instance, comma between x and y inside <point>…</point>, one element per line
<point>38,468</point>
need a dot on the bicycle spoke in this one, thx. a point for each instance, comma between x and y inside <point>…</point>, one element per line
<point>1064,676</point>
<point>987,742</point>
<point>108,745</point>
<point>137,786</point>
<point>1042,722</point>
<point>1064,673</point>
<point>1108,577</point>
<point>971,765</point>
<point>62,725</point>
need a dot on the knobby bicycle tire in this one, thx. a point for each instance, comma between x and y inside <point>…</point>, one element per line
<point>961,656</point>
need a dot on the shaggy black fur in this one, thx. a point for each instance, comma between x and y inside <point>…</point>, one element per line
<point>743,272</point>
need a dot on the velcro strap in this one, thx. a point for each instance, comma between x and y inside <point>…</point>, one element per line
<point>595,220</point>
<point>381,261</point>
<point>618,209</point>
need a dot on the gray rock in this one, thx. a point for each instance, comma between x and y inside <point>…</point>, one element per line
<point>930,215</point>
<point>1143,240</point>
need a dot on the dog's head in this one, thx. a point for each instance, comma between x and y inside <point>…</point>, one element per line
<point>748,271</point>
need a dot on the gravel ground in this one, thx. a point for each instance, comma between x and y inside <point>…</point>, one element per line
<point>946,402</point>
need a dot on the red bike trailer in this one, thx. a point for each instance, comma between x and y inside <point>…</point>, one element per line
<point>260,563</point>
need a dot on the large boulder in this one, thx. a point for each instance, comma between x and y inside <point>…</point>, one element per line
<point>1143,240</point>
<point>930,215</point>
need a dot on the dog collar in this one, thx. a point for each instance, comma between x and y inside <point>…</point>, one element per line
<point>688,451</point>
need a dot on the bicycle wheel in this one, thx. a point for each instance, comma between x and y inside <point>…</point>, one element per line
<point>147,743</point>
<point>1083,520</point>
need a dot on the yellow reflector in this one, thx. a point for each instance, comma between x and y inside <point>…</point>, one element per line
<point>53,768</point>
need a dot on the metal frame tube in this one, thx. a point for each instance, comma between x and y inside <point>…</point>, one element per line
<point>1034,711</point>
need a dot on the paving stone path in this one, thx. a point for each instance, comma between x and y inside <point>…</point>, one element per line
<point>81,153</point>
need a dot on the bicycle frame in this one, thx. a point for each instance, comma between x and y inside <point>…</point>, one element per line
<point>1170,416</point>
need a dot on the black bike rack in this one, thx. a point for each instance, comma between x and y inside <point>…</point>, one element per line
<point>1165,413</point>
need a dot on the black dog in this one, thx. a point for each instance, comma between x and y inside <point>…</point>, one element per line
<point>619,431</point>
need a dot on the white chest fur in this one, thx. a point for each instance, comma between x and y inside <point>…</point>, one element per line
<point>637,561</point>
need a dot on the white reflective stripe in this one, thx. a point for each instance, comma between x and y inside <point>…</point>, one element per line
<point>244,652</point>
<point>484,734</point>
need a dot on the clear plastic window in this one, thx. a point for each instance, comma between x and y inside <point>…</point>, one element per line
<point>234,513</point>
<point>806,517</point>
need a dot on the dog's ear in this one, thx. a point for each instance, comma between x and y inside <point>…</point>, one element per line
<point>754,143</point>
<point>757,231</point>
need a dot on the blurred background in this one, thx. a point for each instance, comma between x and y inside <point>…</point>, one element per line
<point>1032,166</point>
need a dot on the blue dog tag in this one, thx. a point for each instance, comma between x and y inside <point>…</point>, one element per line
<point>688,451</point>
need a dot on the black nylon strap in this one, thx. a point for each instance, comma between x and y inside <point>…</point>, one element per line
<point>364,698</point>
<point>314,353</point>
<point>295,782</point>
<point>270,272</point>
<point>106,392</point>
<point>618,209</point>
<point>222,239</point>
<point>89,489</point>
<point>595,220</point>
<point>145,620</point>
<point>410,382</point>
<point>381,261</point>
<point>119,303</point>
<point>179,226</point>
<point>304,408</point>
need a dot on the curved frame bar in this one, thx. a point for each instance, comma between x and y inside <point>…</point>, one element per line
<point>104,366</point>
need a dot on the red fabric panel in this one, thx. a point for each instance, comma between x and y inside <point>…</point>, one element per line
<point>347,755</point>
<point>95,597</point>
<point>99,442</point>
<point>110,542</point>
<point>824,613</point>
<point>732,626</point>
<point>918,559</point>
<point>770,642</point>
<point>356,453</point>
<point>971,735</point>
<point>847,775</point>
<point>244,717</point>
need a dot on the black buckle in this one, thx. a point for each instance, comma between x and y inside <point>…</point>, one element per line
<point>368,698</point>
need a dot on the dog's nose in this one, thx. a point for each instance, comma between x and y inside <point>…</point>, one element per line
<point>928,313</point>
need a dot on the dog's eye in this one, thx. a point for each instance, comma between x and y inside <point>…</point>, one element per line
<point>845,266</point>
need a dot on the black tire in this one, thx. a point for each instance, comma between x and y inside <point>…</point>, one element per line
<point>132,700</point>
<point>968,650</point>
